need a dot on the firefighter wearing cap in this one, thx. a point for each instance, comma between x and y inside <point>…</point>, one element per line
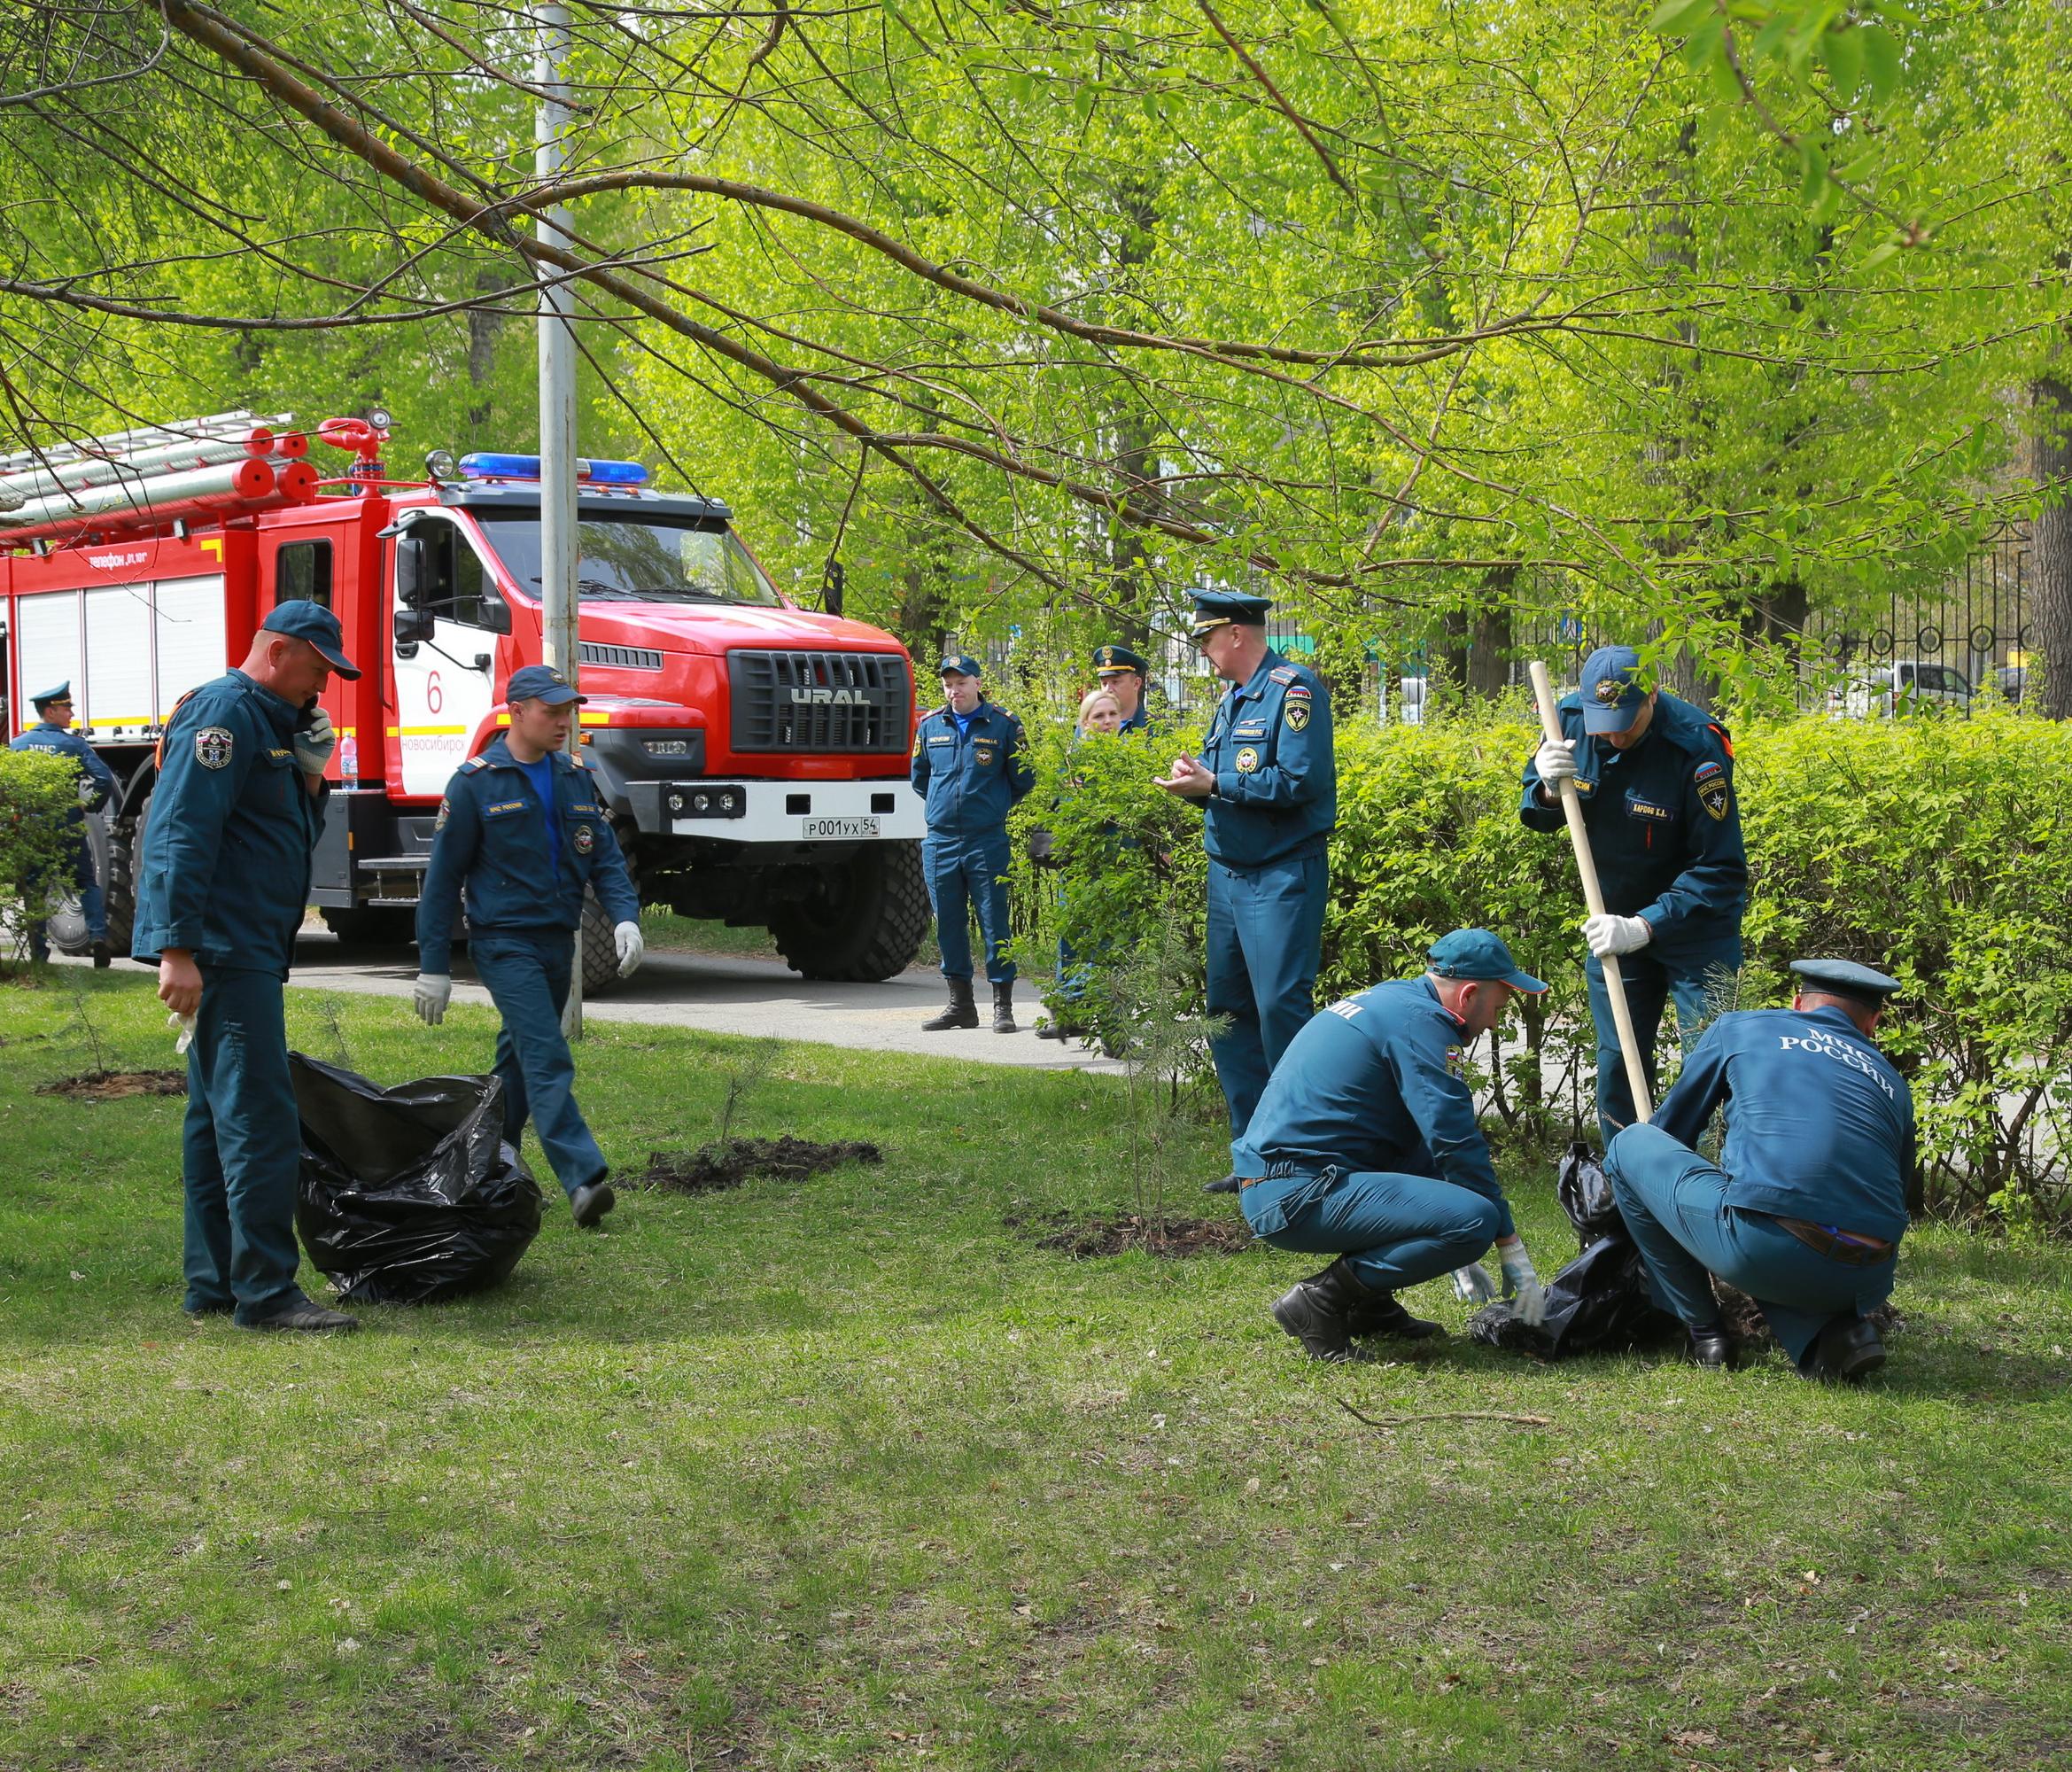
<point>222,886</point>
<point>521,832</point>
<point>971,766</point>
<point>1805,1209</point>
<point>52,733</point>
<point>1655,777</point>
<point>1268,786</point>
<point>1365,1146</point>
<point>1124,674</point>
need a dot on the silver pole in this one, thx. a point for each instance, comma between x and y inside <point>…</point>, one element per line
<point>557,406</point>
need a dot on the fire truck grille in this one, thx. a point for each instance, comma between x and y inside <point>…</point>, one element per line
<point>820,701</point>
<point>621,657</point>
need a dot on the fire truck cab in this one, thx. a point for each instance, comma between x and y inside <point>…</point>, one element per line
<point>754,753</point>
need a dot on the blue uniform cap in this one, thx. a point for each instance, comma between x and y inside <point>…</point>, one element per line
<point>1845,978</point>
<point>312,622</point>
<point>1476,953</point>
<point>1610,697</point>
<point>1223,609</point>
<point>62,693</point>
<point>1112,660</point>
<point>961,664</point>
<point>541,683</point>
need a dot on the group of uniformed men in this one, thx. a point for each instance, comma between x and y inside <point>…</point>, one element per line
<point>1353,1134</point>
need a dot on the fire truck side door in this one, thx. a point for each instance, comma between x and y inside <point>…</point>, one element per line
<point>452,619</point>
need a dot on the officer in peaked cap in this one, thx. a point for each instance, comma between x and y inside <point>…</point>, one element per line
<point>222,888</point>
<point>52,733</point>
<point>521,832</point>
<point>1124,674</point>
<point>1655,777</point>
<point>970,766</point>
<point>1365,1146</point>
<point>1268,786</point>
<point>1807,1204</point>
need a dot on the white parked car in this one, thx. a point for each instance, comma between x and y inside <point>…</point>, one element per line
<point>1906,683</point>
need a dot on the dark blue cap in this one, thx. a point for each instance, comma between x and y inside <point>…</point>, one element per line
<point>1610,697</point>
<point>304,620</point>
<point>1112,661</point>
<point>1476,953</point>
<point>62,693</point>
<point>541,683</point>
<point>1845,978</point>
<point>1223,609</point>
<point>961,664</point>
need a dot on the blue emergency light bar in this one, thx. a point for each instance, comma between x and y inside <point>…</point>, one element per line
<point>490,465</point>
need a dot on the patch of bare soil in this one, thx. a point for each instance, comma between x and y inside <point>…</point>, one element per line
<point>113,1085</point>
<point>1116,1234</point>
<point>713,1168</point>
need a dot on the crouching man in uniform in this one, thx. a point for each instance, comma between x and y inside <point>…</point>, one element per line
<point>1806,1206</point>
<point>522,830</point>
<point>1365,1146</point>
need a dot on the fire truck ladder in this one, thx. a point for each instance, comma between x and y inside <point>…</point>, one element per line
<point>227,461</point>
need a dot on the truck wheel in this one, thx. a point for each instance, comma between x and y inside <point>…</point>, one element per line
<point>599,953</point>
<point>118,890</point>
<point>370,925</point>
<point>864,921</point>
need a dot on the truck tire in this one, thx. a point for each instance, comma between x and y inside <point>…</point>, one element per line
<point>865,923</point>
<point>118,890</point>
<point>599,952</point>
<point>370,925</point>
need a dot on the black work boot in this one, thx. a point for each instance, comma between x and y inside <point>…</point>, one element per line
<point>103,958</point>
<point>1003,1008</point>
<point>1320,1311</point>
<point>962,1012</point>
<point>589,1203</point>
<point>309,1318</point>
<point>1712,1346</point>
<point>1848,1351</point>
<point>1381,1314</point>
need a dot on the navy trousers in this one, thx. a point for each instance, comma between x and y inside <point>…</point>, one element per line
<point>526,974</point>
<point>1394,1230</point>
<point>1265,938</point>
<point>85,883</point>
<point>241,1150</point>
<point>962,871</point>
<point>1673,1202</point>
<point>1652,981</point>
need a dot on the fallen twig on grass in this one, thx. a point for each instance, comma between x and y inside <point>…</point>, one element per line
<point>1387,1421</point>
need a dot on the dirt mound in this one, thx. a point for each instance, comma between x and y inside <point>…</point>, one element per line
<point>113,1085</point>
<point>1116,1234</point>
<point>712,1169</point>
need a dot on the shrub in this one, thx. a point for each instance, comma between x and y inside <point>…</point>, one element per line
<point>37,791</point>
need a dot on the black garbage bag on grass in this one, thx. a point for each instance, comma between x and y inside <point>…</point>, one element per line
<point>408,1194</point>
<point>1586,1194</point>
<point>1597,1304</point>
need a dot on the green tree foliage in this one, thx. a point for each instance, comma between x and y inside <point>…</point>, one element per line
<point>38,794</point>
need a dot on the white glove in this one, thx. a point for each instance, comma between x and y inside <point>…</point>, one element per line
<point>1556,760</point>
<point>434,990</point>
<point>1473,1284</point>
<point>313,743</point>
<point>1521,1283</point>
<point>632,948</point>
<point>185,1023</point>
<point>89,791</point>
<point>1610,935</point>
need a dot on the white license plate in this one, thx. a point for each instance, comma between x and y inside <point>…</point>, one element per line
<point>837,827</point>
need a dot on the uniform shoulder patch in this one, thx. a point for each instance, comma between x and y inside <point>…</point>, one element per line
<point>445,812</point>
<point>213,746</point>
<point>1296,712</point>
<point>1283,674</point>
<point>1714,794</point>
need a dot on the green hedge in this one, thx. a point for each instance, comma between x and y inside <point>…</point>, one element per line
<point>38,790</point>
<point>1938,848</point>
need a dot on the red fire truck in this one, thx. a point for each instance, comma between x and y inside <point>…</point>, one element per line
<point>754,752</point>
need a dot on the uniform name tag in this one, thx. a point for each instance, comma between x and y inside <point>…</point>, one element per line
<point>1638,808</point>
<point>503,807</point>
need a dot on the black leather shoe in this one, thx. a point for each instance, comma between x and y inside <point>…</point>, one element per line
<point>1714,1348</point>
<point>1848,1351</point>
<point>102,958</point>
<point>310,1318</point>
<point>1319,1312</point>
<point>589,1204</point>
<point>1382,1314</point>
<point>1230,1183</point>
<point>960,1013</point>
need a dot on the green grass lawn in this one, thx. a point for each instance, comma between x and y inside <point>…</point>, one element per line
<point>852,1474</point>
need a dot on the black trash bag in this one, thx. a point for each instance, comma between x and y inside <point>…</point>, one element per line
<point>1586,1194</point>
<point>1597,1304</point>
<point>409,1194</point>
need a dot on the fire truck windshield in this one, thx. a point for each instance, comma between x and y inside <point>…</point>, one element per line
<point>638,559</point>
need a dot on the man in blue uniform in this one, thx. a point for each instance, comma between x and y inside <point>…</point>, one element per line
<point>971,765</point>
<point>521,831</point>
<point>1655,779</point>
<point>1807,1204</point>
<point>222,888</point>
<point>53,732</point>
<point>1267,782</point>
<point>1123,674</point>
<point>1365,1144</point>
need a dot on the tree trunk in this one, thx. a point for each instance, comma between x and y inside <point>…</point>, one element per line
<point>483,325</point>
<point>2049,691</point>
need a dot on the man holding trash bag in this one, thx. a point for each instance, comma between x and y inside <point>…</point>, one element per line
<point>1365,1144</point>
<point>1654,779</point>
<point>522,831</point>
<point>222,886</point>
<point>1805,1209</point>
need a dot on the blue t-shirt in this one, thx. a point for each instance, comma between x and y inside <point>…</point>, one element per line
<point>541,774</point>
